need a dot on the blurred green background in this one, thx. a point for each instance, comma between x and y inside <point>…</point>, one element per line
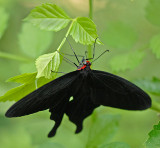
<point>130,29</point>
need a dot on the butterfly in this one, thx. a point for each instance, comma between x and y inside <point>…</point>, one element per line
<point>89,89</point>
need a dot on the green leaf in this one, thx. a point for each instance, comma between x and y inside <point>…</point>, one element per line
<point>84,31</point>
<point>152,86</point>
<point>49,17</point>
<point>3,21</point>
<point>116,145</point>
<point>154,137</point>
<point>120,35</point>
<point>127,61</point>
<point>153,12</point>
<point>24,78</point>
<point>33,41</point>
<point>28,85</point>
<point>155,45</point>
<point>47,63</point>
<point>103,129</point>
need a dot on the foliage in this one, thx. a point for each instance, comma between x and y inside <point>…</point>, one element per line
<point>151,12</point>
<point>51,18</point>
<point>4,21</point>
<point>120,35</point>
<point>28,85</point>
<point>129,29</point>
<point>127,61</point>
<point>155,45</point>
<point>102,134</point>
<point>33,41</point>
<point>154,137</point>
<point>48,63</point>
<point>152,86</point>
<point>116,145</point>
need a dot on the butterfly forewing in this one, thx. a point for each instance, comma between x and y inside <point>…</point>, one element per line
<point>45,97</point>
<point>114,91</point>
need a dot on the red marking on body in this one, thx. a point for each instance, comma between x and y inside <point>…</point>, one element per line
<point>84,66</point>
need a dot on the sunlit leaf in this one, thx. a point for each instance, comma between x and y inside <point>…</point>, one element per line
<point>24,78</point>
<point>120,35</point>
<point>49,17</point>
<point>155,45</point>
<point>126,61</point>
<point>153,12</point>
<point>28,85</point>
<point>152,86</point>
<point>115,145</point>
<point>3,21</point>
<point>154,137</point>
<point>84,31</point>
<point>47,63</point>
<point>33,41</point>
<point>103,129</point>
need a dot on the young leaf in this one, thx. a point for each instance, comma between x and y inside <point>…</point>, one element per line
<point>49,17</point>
<point>28,85</point>
<point>154,137</point>
<point>115,145</point>
<point>155,45</point>
<point>84,31</point>
<point>24,78</point>
<point>18,93</point>
<point>152,86</point>
<point>3,21</point>
<point>47,63</point>
<point>127,61</point>
<point>102,130</point>
<point>33,41</point>
<point>153,11</point>
<point>120,35</point>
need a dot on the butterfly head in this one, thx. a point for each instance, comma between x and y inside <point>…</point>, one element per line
<point>84,64</point>
<point>88,63</point>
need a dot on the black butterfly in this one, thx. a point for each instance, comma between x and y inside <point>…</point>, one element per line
<point>89,88</point>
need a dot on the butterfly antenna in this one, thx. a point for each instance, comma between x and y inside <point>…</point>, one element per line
<point>86,52</point>
<point>100,55</point>
<point>69,62</point>
<point>67,59</point>
<point>94,47</point>
<point>73,50</point>
<point>71,54</point>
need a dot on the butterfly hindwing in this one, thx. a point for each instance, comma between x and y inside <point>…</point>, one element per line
<point>81,106</point>
<point>44,97</point>
<point>114,91</point>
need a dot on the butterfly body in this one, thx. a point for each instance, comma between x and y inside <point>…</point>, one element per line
<point>89,89</point>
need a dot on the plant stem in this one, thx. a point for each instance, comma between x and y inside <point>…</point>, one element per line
<point>64,39</point>
<point>91,17</point>
<point>14,57</point>
<point>155,106</point>
<point>90,9</point>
